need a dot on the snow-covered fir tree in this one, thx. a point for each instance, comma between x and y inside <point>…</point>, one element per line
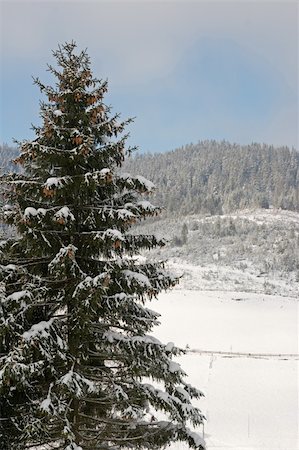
<point>78,368</point>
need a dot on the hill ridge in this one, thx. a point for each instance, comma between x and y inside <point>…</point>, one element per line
<point>213,177</point>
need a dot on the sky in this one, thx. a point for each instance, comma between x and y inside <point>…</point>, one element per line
<point>186,70</point>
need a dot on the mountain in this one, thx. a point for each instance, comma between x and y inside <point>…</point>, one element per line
<point>218,177</point>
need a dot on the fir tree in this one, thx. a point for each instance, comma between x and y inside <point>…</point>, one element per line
<point>78,368</point>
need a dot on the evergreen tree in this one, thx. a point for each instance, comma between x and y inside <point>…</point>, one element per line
<point>184,233</point>
<point>78,369</point>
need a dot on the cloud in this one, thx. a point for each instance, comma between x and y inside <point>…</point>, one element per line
<point>191,69</point>
<point>139,41</point>
<point>217,91</point>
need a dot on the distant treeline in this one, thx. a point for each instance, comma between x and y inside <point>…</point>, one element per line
<point>218,177</point>
<point>213,177</point>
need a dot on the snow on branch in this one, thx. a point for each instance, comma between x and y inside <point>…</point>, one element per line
<point>64,215</point>
<point>55,182</point>
<point>136,182</point>
<point>179,406</point>
<point>64,262</point>
<point>77,384</point>
<point>98,176</point>
<point>14,366</point>
<point>110,234</point>
<point>73,446</point>
<point>136,278</point>
<point>89,283</point>
<point>40,330</point>
<point>65,252</point>
<point>114,336</point>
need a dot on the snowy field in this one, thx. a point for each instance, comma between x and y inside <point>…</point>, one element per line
<point>251,401</point>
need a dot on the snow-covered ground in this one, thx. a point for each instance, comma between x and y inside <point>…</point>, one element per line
<point>213,277</point>
<point>251,402</point>
<point>249,250</point>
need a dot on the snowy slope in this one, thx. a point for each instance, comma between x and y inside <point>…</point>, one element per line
<point>250,250</point>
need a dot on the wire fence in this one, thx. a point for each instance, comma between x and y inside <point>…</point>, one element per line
<point>279,356</point>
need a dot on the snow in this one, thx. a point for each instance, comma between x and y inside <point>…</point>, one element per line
<point>163,396</point>
<point>174,367</point>
<point>229,321</point>
<point>77,383</point>
<point>17,296</point>
<point>125,214</point>
<point>97,175</point>
<point>110,233</point>
<point>32,212</point>
<point>114,234</point>
<point>224,278</point>
<point>169,347</point>
<point>40,329</point>
<point>46,405</point>
<point>64,213</point>
<point>58,113</point>
<point>120,393</point>
<point>138,277</point>
<point>148,185</point>
<point>54,182</point>
<point>11,267</point>
<point>90,282</point>
<point>64,252</point>
<point>262,216</point>
<point>7,207</point>
<point>259,256</point>
<point>41,211</point>
<point>113,336</point>
<point>250,402</point>
<point>196,438</point>
<point>182,391</point>
<point>146,205</point>
<point>73,446</point>
<point>172,400</point>
<point>29,212</point>
<point>105,171</point>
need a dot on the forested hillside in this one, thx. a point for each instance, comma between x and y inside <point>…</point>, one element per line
<point>218,177</point>
<point>213,177</point>
<point>250,251</point>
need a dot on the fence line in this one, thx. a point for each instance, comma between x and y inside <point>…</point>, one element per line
<point>281,356</point>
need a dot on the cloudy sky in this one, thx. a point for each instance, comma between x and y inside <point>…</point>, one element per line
<point>186,70</point>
